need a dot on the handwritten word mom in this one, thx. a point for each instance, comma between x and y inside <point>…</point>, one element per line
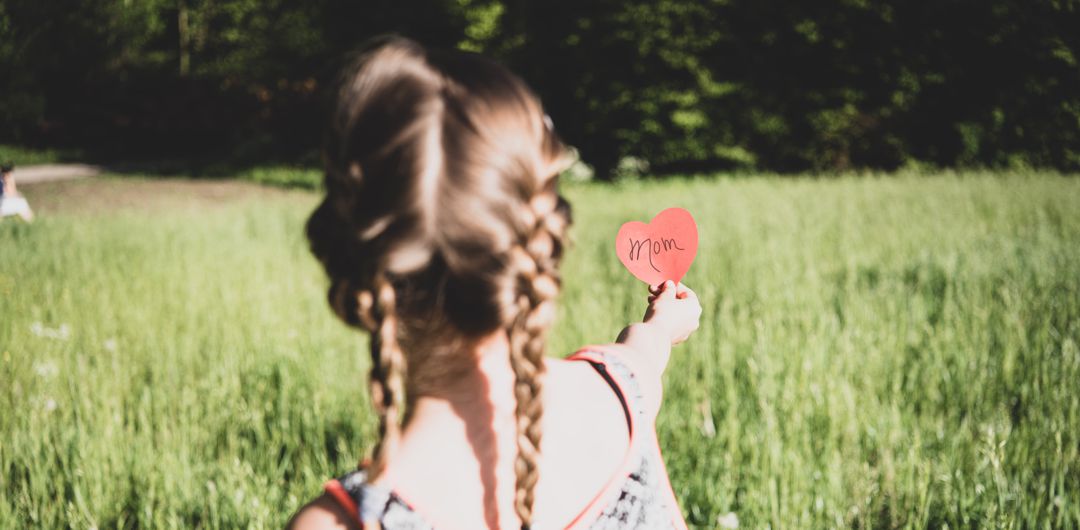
<point>652,248</point>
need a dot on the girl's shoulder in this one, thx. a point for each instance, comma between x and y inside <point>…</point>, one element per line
<point>634,381</point>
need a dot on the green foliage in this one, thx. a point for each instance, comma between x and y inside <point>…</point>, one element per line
<point>682,84</point>
<point>874,353</point>
<point>688,85</point>
<point>23,157</point>
<point>236,79</point>
<point>482,19</point>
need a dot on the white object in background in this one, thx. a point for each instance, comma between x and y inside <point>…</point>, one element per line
<point>14,206</point>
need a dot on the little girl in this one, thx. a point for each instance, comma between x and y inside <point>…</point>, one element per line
<point>441,232</point>
<point>11,201</point>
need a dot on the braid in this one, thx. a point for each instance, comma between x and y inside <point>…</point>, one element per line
<point>538,284</point>
<point>388,368</point>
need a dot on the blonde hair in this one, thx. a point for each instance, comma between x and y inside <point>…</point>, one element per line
<point>441,224</point>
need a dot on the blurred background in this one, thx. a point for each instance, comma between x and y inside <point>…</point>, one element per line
<point>889,265</point>
<point>673,86</point>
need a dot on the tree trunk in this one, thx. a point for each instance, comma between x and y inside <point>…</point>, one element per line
<point>184,33</point>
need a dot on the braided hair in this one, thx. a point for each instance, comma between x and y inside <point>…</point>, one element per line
<point>442,223</point>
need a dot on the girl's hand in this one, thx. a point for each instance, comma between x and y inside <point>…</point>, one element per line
<point>673,314</point>
<point>673,309</point>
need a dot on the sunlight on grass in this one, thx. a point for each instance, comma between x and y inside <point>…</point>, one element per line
<point>874,352</point>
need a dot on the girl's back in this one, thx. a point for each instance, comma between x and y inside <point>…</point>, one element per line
<point>458,475</point>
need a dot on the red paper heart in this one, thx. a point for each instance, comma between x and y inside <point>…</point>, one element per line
<point>661,250</point>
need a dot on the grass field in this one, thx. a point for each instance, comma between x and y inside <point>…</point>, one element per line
<point>875,352</point>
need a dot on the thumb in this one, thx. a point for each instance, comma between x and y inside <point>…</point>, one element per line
<point>667,290</point>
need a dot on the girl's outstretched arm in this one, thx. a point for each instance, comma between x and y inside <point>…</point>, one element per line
<point>673,314</point>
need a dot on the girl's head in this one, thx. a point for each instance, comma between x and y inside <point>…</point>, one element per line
<point>441,225</point>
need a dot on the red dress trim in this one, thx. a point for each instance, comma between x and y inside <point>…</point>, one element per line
<point>337,491</point>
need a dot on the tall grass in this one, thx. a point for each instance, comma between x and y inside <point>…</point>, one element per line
<point>874,353</point>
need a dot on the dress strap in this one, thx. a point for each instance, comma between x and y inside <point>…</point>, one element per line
<point>622,379</point>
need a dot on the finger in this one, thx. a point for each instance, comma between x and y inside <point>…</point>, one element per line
<point>668,290</point>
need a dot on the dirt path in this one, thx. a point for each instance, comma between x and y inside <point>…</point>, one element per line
<point>54,172</point>
<point>82,195</point>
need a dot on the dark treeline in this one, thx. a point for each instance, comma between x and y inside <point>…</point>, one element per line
<point>683,85</point>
